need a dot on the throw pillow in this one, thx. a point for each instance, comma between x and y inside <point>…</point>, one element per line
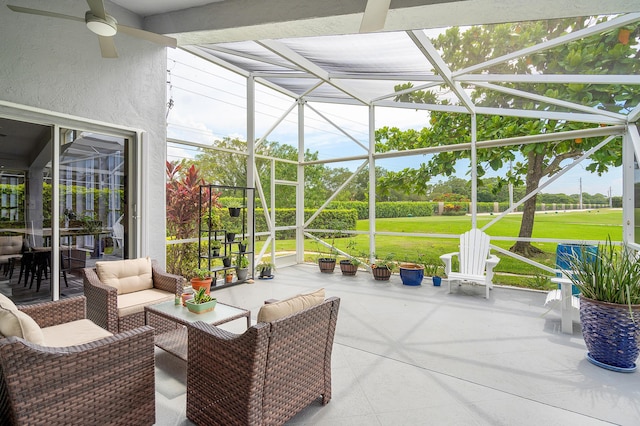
<point>127,275</point>
<point>274,311</point>
<point>17,323</point>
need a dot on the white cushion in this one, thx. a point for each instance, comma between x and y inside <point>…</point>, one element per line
<point>274,311</point>
<point>127,275</point>
<point>17,323</point>
<point>73,333</point>
<point>7,303</point>
<point>133,303</point>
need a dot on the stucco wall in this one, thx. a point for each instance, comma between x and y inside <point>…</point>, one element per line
<point>56,65</point>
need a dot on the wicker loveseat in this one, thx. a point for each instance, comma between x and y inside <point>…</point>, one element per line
<point>118,291</point>
<point>265,375</point>
<point>99,379</point>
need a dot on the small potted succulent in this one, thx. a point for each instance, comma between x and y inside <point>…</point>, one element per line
<point>242,246</point>
<point>228,276</point>
<point>201,302</point>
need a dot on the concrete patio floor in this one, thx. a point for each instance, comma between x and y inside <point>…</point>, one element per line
<point>419,356</point>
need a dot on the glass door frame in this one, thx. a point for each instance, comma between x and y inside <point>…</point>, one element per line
<point>59,121</point>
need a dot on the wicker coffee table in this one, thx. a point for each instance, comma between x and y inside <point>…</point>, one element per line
<point>175,341</point>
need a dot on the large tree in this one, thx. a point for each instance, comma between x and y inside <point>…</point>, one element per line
<point>615,52</point>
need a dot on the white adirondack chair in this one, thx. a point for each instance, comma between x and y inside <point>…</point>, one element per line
<point>118,234</point>
<point>476,264</point>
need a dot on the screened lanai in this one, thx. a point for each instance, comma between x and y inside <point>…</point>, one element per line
<point>548,72</point>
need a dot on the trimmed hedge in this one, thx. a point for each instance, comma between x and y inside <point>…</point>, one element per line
<point>327,219</point>
<point>389,209</point>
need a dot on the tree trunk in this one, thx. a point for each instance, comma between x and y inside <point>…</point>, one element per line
<point>534,174</point>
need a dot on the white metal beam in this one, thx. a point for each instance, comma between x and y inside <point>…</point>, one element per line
<point>276,123</point>
<point>335,194</point>
<point>549,115</point>
<point>550,78</point>
<point>285,52</point>
<point>340,129</point>
<point>634,115</point>
<point>429,51</point>
<point>551,101</point>
<point>550,181</point>
<point>576,35</point>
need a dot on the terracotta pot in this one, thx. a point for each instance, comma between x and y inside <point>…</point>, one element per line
<point>197,283</point>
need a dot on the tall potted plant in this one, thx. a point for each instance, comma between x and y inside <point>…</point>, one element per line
<point>242,267</point>
<point>609,282</point>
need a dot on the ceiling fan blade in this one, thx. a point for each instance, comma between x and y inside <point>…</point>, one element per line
<point>149,36</point>
<point>107,47</point>
<point>43,13</point>
<point>97,8</point>
<point>374,15</point>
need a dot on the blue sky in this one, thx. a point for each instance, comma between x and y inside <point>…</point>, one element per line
<point>209,103</point>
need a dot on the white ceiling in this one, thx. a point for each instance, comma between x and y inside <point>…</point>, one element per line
<point>195,22</point>
<point>154,7</point>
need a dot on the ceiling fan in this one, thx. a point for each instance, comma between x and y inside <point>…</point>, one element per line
<point>104,26</point>
<point>374,15</point>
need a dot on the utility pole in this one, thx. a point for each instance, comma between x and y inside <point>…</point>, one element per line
<point>610,199</point>
<point>580,194</point>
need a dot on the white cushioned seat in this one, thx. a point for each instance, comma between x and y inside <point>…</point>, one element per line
<point>133,303</point>
<point>73,333</point>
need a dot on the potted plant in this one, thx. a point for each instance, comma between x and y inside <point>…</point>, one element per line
<point>242,246</point>
<point>231,234</point>
<point>201,302</point>
<point>266,269</point>
<point>234,207</point>
<point>226,261</point>
<point>215,248</point>
<point>609,283</point>
<point>201,279</point>
<point>382,268</point>
<point>242,267</point>
<point>349,266</point>
<point>411,273</point>
<point>435,272</point>
<point>228,276</point>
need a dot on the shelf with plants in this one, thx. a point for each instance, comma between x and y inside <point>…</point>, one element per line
<point>226,230</point>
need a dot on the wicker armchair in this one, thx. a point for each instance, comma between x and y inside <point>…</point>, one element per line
<point>102,301</point>
<point>107,381</point>
<point>265,375</point>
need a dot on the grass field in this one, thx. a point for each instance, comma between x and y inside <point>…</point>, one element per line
<point>579,226</point>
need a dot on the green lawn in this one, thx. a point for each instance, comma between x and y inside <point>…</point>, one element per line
<point>589,225</point>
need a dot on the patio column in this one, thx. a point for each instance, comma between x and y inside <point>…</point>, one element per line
<point>372,184</point>
<point>251,160</point>
<point>630,148</point>
<point>474,172</point>
<point>300,187</point>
